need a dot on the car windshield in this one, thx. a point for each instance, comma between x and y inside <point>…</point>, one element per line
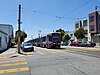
<point>56,37</point>
<point>27,44</point>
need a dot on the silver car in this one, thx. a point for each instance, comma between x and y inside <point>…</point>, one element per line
<point>27,47</point>
<point>87,44</point>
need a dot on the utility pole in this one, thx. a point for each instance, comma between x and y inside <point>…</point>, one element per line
<point>39,33</point>
<point>19,31</point>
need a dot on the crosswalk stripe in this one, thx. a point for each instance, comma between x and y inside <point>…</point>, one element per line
<point>15,64</point>
<point>3,57</point>
<point>14,70</point>
<point>17,60</point>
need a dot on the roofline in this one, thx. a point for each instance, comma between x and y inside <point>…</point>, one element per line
<point>94,12</point>
<point>6,24</point>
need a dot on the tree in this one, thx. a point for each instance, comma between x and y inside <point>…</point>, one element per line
<point>62,32</point>
<point>66,37</point>
<point>80,33</point>
<point>22,37</point>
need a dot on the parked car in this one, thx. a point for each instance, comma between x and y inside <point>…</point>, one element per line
<point>87,44</point>
<point>75,44</point>
<point>27,47</point>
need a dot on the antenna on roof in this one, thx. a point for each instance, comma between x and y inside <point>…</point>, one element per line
<point>97,7</point>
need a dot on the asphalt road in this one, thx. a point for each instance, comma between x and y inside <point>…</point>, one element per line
<point>64,61</point>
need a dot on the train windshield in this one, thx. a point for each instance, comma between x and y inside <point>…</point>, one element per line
<point>56,37</point>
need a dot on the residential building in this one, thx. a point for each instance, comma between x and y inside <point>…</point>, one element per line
<point>8,29</point>
<point>78,24</point>
<point>3,41</point>
<point>94,27</point>
<point>85,25</point>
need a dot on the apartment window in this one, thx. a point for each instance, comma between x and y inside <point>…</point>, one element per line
<point>91,18</point>
<point>92,28</point>
<point>77,25</point>
<point>86,39</point>
<point>0,41</point>
<point>86,31</point>
<point>85,23</point>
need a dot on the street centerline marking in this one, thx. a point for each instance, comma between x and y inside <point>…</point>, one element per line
<point>60,51</point>
<point>74,50</point>
<point>29,54</point>
<point>70,51</point>
<point>40,52</point>
<point>52,52</point>
<point>14,70</point>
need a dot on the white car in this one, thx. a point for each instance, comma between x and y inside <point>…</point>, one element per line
<point>87,44</point>
<point>27,47</point>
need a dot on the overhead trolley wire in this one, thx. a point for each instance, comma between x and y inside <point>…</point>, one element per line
<point>60,17</point>
<point>72,11</point>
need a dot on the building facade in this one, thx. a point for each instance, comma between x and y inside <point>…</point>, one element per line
<point>8,29</point>
<point>78,24</point>
<point>94,27</point>
<point>3,41</point>
<point>85,24</point>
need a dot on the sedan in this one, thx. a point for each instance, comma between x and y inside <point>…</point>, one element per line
<point>27,47</point>
<point>87,44</point>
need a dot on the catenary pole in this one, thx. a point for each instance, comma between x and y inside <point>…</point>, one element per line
<point>19,31</point>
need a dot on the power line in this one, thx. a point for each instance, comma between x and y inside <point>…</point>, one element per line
<point>59,17</point>
<point>77,8</point>
<point>74,10</point>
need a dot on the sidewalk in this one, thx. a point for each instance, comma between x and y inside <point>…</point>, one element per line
<point>10,51</point>
<point>13,52</point>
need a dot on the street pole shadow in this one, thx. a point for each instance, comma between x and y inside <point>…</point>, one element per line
<point>25,53</point>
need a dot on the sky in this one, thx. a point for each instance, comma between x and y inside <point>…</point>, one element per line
<point>45,15</point>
